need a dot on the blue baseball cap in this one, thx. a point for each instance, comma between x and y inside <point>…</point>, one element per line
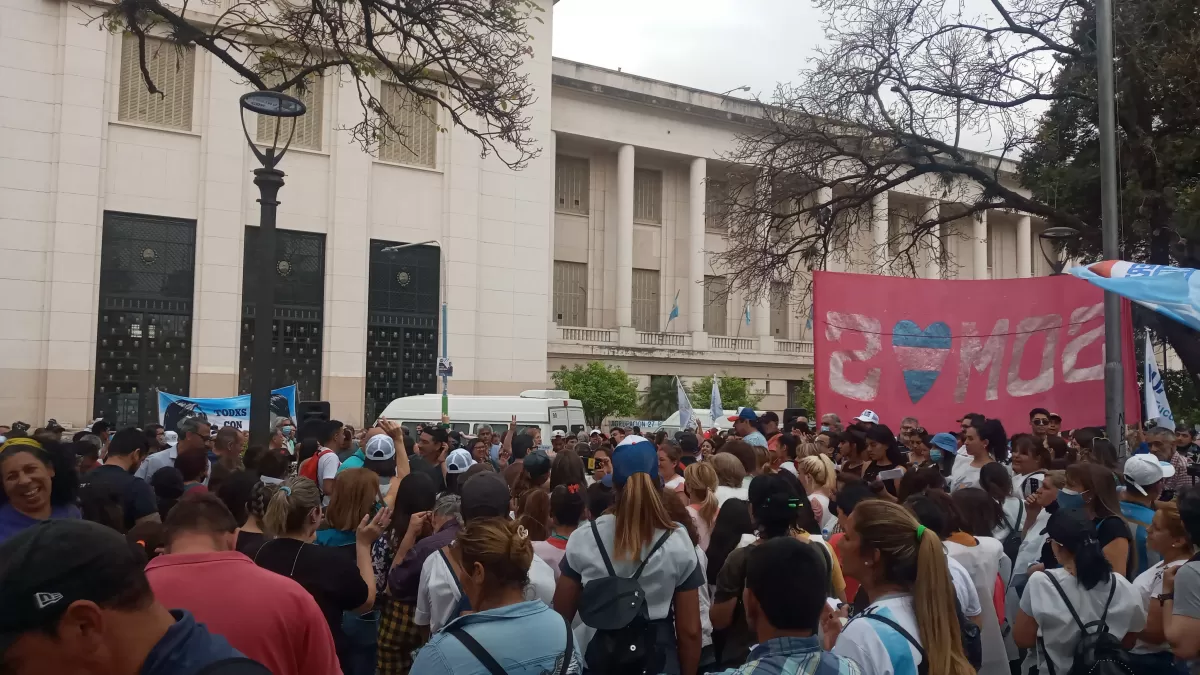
<point>634,455</point>
<point>946,442</point>
<point>745,414</point>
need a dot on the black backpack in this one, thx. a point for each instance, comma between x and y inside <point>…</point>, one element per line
<point>1098,651</point>
<point>1012,540</point>
<point>616,607</point>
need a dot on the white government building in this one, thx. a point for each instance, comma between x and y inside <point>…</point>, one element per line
<point>126,221</point>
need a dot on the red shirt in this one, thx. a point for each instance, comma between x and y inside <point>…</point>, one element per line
<point>266,616</point>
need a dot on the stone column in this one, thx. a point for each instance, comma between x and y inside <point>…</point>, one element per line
<point>696,206</point>
<point>879,233</point>
<point>760,317</point>
<point>979,245</point>
<point>933,267</point>
<point>625,236</point>
<point>1024,244</point>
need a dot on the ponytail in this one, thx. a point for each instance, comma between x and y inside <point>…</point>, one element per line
<point>288,508</point>
<point>639,511</point>
<point>911,557</point>
<point>1091,567</point>
<point>700,483</point>
<point>533,513</point>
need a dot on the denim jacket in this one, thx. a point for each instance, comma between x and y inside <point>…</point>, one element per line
<point>794,656</point>
<point>527,638</point>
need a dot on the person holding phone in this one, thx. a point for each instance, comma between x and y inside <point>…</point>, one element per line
<point>886,465</point>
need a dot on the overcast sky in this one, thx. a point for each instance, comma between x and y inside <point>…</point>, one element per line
<point>707,44</point>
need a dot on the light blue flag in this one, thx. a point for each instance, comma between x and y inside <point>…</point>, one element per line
<point>1171,291</point>
<point>714,405</point>
<point>687,416</point>
<point>747,315</point>
<point>674,309</point>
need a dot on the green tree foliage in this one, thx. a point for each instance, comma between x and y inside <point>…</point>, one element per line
<point>603,390</point>
<point>661,399</point>
<point>805,397</point>
<point>735,393</point>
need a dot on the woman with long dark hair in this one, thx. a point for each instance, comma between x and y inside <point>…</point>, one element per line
<point>1057,603</point>
<point>1092,488</point>
<point>885,458</point>
<point>985,442</point>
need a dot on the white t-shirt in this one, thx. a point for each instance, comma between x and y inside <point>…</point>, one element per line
<point>1149,585</point>
<point>875,646</point>
<point>1014,514</point>
<point>982,563</point>
<point>675,483</point>
<point>1023,484</point>
<point>327,468</point>
<point>724,493</point>
<point>828,519</point>
<point>1031,545</point>
<point>704,592</point>
<point>964,588</point>
<point>1058,629</point>
<point>963,474</point>
<point>437,594</point>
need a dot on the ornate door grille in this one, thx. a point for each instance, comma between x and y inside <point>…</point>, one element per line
<point>298,325</point>
<point>144,332</point>
<point>402,324</point>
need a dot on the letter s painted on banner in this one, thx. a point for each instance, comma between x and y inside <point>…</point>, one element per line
<point>869,328</point>
<point>1070,357</point>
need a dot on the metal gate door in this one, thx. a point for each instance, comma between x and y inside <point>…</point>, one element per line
<point>402,324</point>
<point>143,340</point>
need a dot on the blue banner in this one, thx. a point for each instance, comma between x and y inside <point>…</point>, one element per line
<point>223,412</point>
<point>1171,291</point>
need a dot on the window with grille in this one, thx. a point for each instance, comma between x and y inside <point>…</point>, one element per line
<point>645,300</point>
<point>416,120</point>
<point>308,126</point>
<point>172,69</point>
<point>571,176</point>
<point>570,293</point>
<point>716,303</point>
<point>716,208</point>
<point>779,310</point>
<point>647,196</point>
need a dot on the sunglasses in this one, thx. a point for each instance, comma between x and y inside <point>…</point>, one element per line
<point>1040,422</point>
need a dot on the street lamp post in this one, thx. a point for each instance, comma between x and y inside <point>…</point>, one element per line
<point>1057,237</point>
<point>269,180</point>
<point>445,332</point>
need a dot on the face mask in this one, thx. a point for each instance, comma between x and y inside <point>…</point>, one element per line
<point>935,454</point>
<point>1070,499</point>
<point>287,431</point>
<point>824,427</point>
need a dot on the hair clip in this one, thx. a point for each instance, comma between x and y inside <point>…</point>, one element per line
<point>522,533</point>
<point>573,488</point>
<point>285,490</point>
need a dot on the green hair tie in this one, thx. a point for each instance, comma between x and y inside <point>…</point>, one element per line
<point>920,531</point>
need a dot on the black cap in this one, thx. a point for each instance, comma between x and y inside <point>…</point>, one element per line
<point>54,426</point>
<point>770,416</point>
<point>537,464</point>
<point>54,563</point>
<point>484,495</point>
<point>1071,528</point>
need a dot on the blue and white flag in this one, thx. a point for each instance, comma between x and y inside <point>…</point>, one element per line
<point>223,412</point>
<point>714,404</point>
<point>1171,291</point>
<point>687,416</point>
<point>674,309</point>
<point>747,310</point>
<point>1158,410</point>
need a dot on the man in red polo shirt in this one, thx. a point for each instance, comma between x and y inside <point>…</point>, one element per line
<point>266,616</point>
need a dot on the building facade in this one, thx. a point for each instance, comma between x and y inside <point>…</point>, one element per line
<point>129,224</point>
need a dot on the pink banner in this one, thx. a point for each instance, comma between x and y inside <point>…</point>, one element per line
<point>936,350</point>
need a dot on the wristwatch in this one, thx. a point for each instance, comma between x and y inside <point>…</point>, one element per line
<point>1162,599</point>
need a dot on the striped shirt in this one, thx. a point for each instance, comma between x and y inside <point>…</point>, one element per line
<point>1181,479</point>
<point>794,656</point>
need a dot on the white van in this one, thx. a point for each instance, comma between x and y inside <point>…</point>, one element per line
<point>547,409</point>
<point>671,424</point>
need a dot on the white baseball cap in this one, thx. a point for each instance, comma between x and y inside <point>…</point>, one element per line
<point>381,447</point>
<point>868,416</point>
<point>558,433</point>
<point>171,438</point>
<point>1145,470</point>
<point>459,461</point>
<point>596,432</point>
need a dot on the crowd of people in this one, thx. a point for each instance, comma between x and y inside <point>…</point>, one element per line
<point>768,548</point>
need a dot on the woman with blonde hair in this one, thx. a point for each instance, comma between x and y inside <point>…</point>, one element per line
<point>911,622</point>
<point>731,476</point>
<point>700,486</point>
<point>819,477</point>
<point>504,628</point>
<point>339,583</point>
<point>637,538</point>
